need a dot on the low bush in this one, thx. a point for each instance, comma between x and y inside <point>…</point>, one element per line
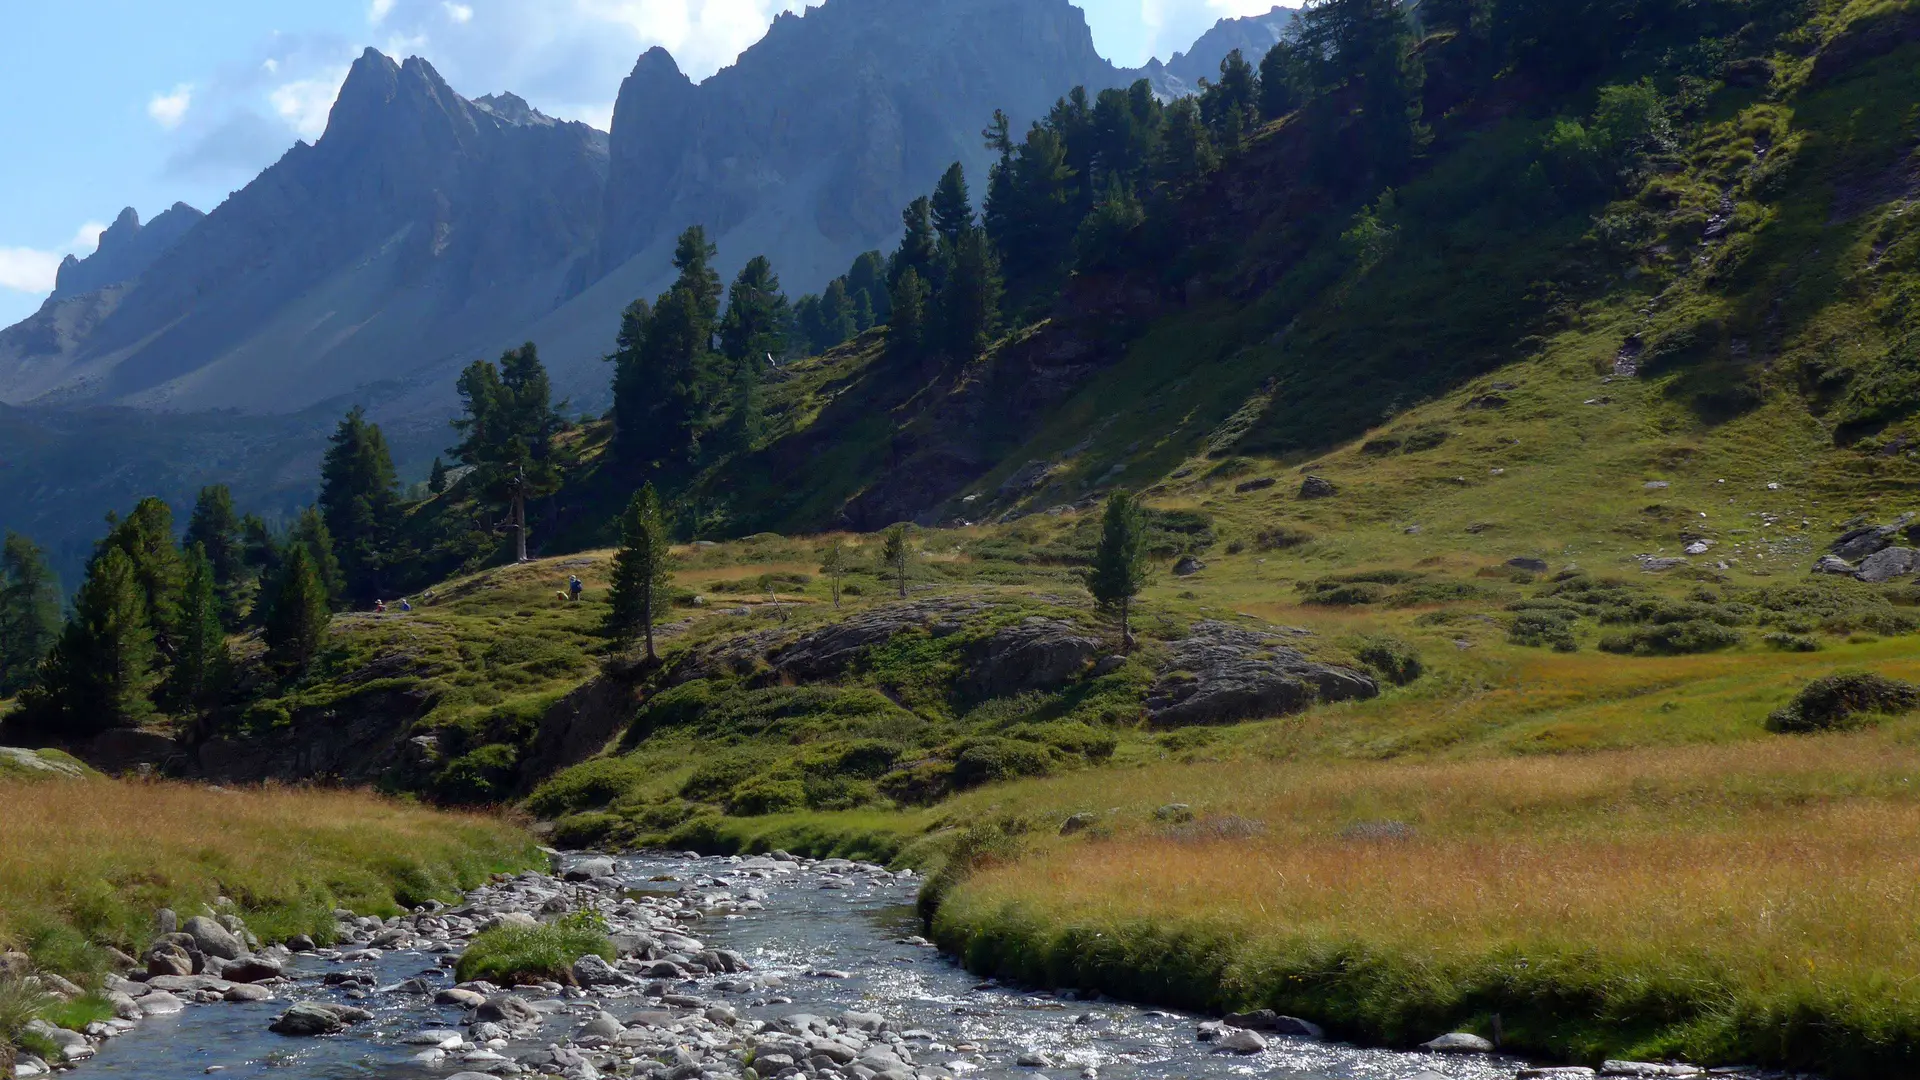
<point>986,760</point>
<point>1786,642</point>
<point>521,956</point>
<point>1540,628</point>
<point>483,776</point>
<point>1281,538</point>
<point>1671,639</point>
<point>1391,658</point>
<point>1844,700</point>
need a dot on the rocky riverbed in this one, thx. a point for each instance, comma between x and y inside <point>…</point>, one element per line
<point>769,967</point>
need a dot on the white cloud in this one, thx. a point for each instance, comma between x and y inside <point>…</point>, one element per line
<point>702,34</point>
<point>378,11</point>
<point>270,66</point>
<point>458,13</point>
<point>30,270</point>
<point>305,103</point>
<point>168,110</point>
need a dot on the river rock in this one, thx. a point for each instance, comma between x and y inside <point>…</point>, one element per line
<point>1556,1072</point>
<point>73,1045</point>
<point>124,1006</point>
<point>1221,673</point>
<point>1241,1041</point>
<point>1647,1070</point>
<point>309,1018</point>
<point>518,920</point>
<point>591,971</point>
<point>160,1003</point>
<point>168,959</point>
<point>253,969</point>
<point>509,1012</point>
<point>591,869</point>
<point>464,999</point>
<point>472,1076</point>
<point>1272,1022</point>
<point>1459,1042</point>
<point>241,992</point>
<point>1885,565</point>
<point>603,1025</point>
<point>214,939</point>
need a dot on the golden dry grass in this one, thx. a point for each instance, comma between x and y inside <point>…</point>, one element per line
<point>1731,883</point>
<point>91,860</point>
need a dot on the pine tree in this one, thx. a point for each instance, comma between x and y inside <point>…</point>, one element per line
<point>29,612</point>
<point>952,205</point>
<point>298,615</point>
<point>215,527</point>
<point>757,315</point>
<point>1231,105</point>
<point>970,303</point>
<point>200,662</point>
<point>635,390</point>
<point>867,283</point>
<point>145,536</point>
<point>836,564</point>
<point>642,572</point>
<point>310,534</point>
<point>508,424</point>
<point>896,556</point>
<point>1106,234</point>
<point>101,671</point>
<point>920,246</point>
<point>745,421</point>
<point>437,476</point>
<point>837,323</point>
<point>907,329</point>
<point>359,498</point>
<point>1186,147</point>
<point>1120,565</point>
<point>1286,79</point>
<point>693,256</point>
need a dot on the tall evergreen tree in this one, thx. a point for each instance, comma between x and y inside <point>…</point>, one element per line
<point>145,536</point>
<point>970,303</point>
<point>101,671</point>
<point>29,612</point>
<point>642,572</point>
<point>745,421</point>
<point>636,393</point>
<point>920,246</point>
<point>1232,105</point>
<point>200,661</point>
<point>1186,147</point>
<point>1120,567</point>
<point>693,256</point>
<point>836,319</point>
<point>907,328</point>
<point>508,424</point>
<point>360,498</point>
<point>755,325</point>
<point>298,614</point>
<point>952,204</point>
<point>311,535</point>
<point>867,283</point>
<point>215,527</point>
<point>437,476</point>
<point>1106,234</point>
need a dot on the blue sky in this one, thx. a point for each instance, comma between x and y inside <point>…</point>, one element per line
<point>143,103</point>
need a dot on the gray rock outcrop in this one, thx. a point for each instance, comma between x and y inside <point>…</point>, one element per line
<point>1222,673</point>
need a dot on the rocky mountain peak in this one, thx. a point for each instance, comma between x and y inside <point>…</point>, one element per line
<point>126,249</point>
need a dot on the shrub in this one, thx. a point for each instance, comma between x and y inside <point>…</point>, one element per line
<point>1843,700</point>
<point>1537,628</point>
<point>985,760</point>
<point>1671,639</point>
<point>1281,538</point>
<point>21,1003</point>
<point>484,776</point>
<point>1393,659</point>
<point>587,786</point>
<point>520,956</point>
<point>1786,642</point>
<point>766,796</point>
<point>1346,594</point>
<point>593,829</point>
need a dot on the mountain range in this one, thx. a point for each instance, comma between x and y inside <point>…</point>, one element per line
<point>424,229</point>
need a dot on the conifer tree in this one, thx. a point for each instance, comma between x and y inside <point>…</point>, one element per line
<point>1186,147</point>
<point>1104,236</point>
<point>29,612</point>
<point>310,534</point>
<point>635,390</point>
<point>508,423</point>
<point>298,614</point>
<point>757,315</point>
<point>642,572</point>
<point>970,302</point>
<point>952,205</point>
<point>745,421</point>
<point>1232,105</point>
<point>145,536</point>
<point>920,246</point>
<point>693,256</point>
<point>836,564</point>
<point>101,671</point>
<point>437,476</point>
<point>215,527</point>
<point>1120,565</point>
<point>359,498</point>
<point>836,320</point>
<point>896,556</point>
<point>200,661</point>
<point>907,328</point>
<point>867,283</point>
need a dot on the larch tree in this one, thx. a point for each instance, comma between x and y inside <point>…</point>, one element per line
<point>1120,567</point>
<point>896,556</point>
<point>642,572</point>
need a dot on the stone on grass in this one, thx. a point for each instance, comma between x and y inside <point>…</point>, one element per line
<point>1316,487</point>
<point>1883,566</point>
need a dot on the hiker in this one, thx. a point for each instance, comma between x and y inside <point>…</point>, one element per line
<point>574,587</point>
<point>404,606</point>
<point>379,607</point>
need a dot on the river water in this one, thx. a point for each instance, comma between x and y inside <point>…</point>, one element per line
<point>849,921</point>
